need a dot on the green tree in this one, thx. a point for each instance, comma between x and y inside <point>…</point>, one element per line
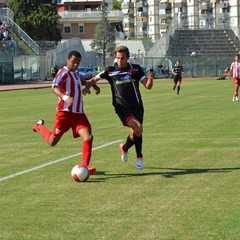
<point>117,5</point>
<point>38,18</point>
<point>104,37</point>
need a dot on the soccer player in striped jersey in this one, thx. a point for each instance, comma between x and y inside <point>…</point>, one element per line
<point>177,72</point>
<point>67,86</point>
<point>235,71</point>
<point>124,79</point>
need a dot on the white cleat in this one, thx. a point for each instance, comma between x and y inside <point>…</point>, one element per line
<point>124,155</point>
<point>139,163</point>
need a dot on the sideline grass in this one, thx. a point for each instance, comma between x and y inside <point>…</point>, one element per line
<point>189,188</point>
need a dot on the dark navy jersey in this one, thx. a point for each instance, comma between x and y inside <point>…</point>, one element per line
<point>178,70</point>
<point>124,84</point>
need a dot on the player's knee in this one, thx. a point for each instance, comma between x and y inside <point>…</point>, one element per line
<point>52,144</point>
<point>52,141</point>
<point>88,137</point>
<point>138,131</point>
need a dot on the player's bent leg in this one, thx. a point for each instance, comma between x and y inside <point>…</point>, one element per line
<point>136,126</point>
<point>87,137</point>
<point>136,131</point>
<point>53,140</point>
<point>46,134</point>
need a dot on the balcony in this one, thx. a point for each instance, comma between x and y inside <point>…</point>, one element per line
<point>127,5</point>
<point>89,16</point>
<point>224,16</point>
<point>141,14</point>
<point>163,26</point>
<point>206,6</point>
<point>223,5</point>
<point>165,16</point>
<point>166,6</point>
<point>141,24</point>
<point>181,4</point>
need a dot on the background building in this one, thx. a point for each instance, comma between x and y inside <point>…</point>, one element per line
<point>79,18</point>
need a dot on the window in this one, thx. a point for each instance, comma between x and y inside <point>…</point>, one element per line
<point>81,29</point>
<point>67,28</point>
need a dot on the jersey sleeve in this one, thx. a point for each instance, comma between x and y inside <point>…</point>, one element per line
<point>60,79</point>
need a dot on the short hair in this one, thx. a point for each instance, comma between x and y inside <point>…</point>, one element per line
<point>122,49</point>
<point>74,53</point>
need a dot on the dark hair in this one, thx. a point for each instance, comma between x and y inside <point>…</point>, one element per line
<point>74,53</point>
<point>122,49</point>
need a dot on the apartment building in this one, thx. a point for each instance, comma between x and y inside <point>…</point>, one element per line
<point>80,17</point>
<point>199,14</point>
<point>153,18</point>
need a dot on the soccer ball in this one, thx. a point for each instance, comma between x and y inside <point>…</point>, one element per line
<point>193,54</point>
<point>80,173</point>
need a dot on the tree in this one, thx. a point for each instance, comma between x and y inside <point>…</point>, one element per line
<point>116,5</point>
<point>38,18</point>
<point>104,37</point>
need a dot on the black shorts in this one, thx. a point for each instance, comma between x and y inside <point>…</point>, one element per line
<point>177,79</point>
<point>125,113</point>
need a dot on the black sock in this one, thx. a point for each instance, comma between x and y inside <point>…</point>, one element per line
<point>178,89</point>
<point>138,146</point>
<point>128,144</point>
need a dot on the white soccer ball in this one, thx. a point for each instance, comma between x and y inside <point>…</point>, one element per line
<point>193,54</point>
<point>80,173</point>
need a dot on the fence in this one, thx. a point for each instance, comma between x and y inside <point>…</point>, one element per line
<point>196,66</point>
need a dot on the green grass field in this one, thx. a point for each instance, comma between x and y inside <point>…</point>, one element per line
<point>189,188</point>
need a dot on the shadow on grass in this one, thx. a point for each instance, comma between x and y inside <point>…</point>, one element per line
<point>164,172</point>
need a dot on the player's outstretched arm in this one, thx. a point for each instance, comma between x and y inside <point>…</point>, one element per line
<point>96,88</point>
<point>89,83</point>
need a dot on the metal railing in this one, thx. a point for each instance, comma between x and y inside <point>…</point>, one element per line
<point>8,15</point>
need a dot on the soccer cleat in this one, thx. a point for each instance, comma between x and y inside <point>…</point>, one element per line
<point>139,163</point>
<point>234,99</point>
<point>91,170</point>
<point>124,155</point>
<point>35,126</point>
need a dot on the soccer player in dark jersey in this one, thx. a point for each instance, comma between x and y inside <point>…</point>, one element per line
<point>124,79</point>
<point>177,76</point>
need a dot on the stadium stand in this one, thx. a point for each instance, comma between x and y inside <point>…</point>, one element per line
<point>207,42</point>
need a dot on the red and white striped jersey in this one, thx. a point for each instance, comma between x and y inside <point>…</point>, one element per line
<point>69,84</point>
<point>235,69</point>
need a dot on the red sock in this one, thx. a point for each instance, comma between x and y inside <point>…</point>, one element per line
<point>86,152</point>
<point>44,132</point>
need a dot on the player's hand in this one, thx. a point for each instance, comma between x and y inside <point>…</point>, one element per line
<point>69,101</point>
<point>86,91</point>
<point>96,88</point>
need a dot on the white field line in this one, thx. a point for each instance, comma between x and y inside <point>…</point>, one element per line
<point>54,162</point>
